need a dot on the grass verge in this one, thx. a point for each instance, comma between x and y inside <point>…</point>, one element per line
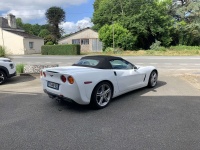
<point>171,51</point>
<point>20,68</point>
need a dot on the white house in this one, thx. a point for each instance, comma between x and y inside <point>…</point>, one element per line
<point>15,40</point>
<point>87,38</point>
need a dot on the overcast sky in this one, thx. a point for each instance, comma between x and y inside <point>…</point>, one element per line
<point>78,12</point>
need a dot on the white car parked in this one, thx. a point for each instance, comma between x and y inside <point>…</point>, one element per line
<point>7,69</point>
<point>96,80</point>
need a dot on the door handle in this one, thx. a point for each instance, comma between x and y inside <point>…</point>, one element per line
<point>115,73</point>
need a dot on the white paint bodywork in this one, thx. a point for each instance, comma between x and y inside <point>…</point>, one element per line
<point>124,81</point>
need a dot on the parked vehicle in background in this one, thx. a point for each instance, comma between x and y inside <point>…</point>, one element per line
<point>96,80</point>
<point>7,69</point>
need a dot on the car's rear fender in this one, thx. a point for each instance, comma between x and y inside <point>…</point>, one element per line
<point>88,83</point>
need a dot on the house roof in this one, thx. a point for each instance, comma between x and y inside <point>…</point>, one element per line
<point>77,33</point>
<point>24,34</point>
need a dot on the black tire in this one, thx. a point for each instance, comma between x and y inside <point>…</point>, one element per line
<point>2,77</point>
<point>102,95</point>
<point>153,79</point>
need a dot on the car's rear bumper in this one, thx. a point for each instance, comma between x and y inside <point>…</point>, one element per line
<point>55,96</point>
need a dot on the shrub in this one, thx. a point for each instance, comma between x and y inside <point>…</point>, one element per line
<point>156,46</point>
<point>2,51</point>
<point>20,68</point>
<point>184,47</point>
<point>109,50</point>
<point>69,49</point>
<point>49,43</point>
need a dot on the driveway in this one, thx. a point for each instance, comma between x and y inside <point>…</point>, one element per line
<point>166,117</point>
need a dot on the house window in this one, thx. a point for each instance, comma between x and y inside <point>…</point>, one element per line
<point>84,41</point>
<point>76,41</point>
<point>31,45</point>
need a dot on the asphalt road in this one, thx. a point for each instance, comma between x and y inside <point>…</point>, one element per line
<point>161,62</point>
<point>163,118</point>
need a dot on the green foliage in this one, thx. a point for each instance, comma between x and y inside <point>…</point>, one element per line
<point>184,47</point>
<point>43,33</point>
<point>55,15</point>
<point>122,37</point>
<point>146,20</point>
<point>157,46</point>
<point>50,38</point>
<point>109,50</point>
<point>20,68</point>
<point>49,43</point>
<point>2,51</point>
<point>61,50</point>
<point>35,29</point>
<point>187,29</point>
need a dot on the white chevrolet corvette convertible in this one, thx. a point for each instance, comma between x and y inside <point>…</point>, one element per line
<point>95,80</point>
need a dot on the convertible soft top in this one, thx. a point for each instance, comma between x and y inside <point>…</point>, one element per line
<point>103,61</point>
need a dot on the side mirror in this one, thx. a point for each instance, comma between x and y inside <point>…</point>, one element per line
<point>135,68</point>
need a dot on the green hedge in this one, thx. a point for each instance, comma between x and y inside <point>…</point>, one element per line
<point>68,49</point>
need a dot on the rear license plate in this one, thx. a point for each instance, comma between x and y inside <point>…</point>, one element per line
<point>53,85</point>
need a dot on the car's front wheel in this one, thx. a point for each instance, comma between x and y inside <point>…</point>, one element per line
<point>101,95</point>
<point>153,79</point>
<point>2,77</point>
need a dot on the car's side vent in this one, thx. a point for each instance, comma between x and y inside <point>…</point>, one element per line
<point>144,78</point>
<point>52,71</point>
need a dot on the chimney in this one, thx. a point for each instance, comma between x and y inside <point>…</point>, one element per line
<point>11,21</point>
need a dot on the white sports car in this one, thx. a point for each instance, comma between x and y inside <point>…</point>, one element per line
<point>96,80</point>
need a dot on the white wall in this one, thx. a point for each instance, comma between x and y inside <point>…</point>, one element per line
<point>85,34</point>
<point>18,45</point>
<point>12,43</point>
<point>37,44</point>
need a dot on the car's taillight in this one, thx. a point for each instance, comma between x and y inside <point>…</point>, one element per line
<point>63,78</point>
<point>70,79</point>
<point>41,73</point>
<point>44,74</point>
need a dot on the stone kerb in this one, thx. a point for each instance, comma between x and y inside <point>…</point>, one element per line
<point>37,68</point>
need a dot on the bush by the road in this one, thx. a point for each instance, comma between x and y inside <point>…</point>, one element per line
<point>2,51</point>
<point>68,49</point>
<point>20,68</point>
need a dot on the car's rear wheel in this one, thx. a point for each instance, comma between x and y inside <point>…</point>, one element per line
<point>153,79</point>
<point>101,95</point>
<point>2,77</point>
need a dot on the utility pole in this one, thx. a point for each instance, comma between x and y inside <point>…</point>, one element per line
<point>113,36</point>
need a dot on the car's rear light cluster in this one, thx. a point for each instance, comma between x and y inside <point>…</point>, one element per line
<point>42,74</point>
<point>63,78</point>
<point>70,79</point>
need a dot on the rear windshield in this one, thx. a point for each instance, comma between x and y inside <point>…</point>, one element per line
<point>87,62</point>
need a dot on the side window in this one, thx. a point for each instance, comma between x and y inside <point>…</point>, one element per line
<point>76,41</point>
<point>31,45</point>
<point>121,64</point>
<point>84,41</point>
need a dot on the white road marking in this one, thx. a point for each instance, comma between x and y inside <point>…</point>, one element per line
<point>183,64</point>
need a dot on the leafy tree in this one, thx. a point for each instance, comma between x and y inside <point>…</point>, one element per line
<point>54,16</point>
<point>122,37</point>
<point>49,39</point>
<point>148,20</point>
<point>19,22</point>
<point>43,33</point>
<point>187,16</point>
